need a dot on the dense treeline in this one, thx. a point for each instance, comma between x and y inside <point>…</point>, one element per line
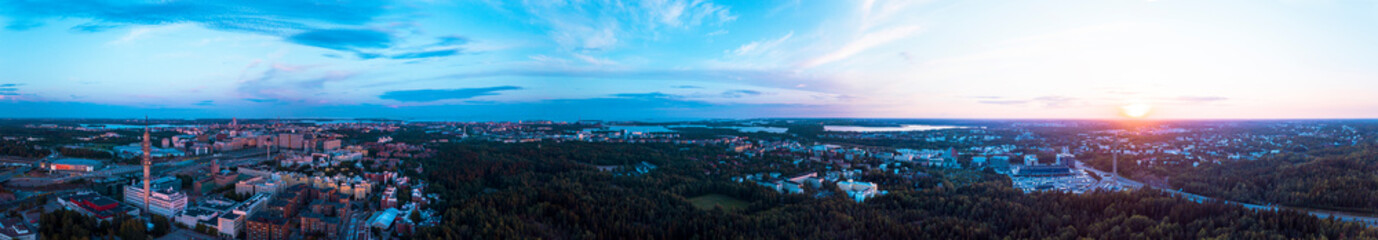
<point>68,224</point>
<point>20,149</point>
<point>1338,179</point>
<point>548,190</point>
<point>85,153</point>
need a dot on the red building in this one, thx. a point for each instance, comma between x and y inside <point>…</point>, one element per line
<point>92,204</point>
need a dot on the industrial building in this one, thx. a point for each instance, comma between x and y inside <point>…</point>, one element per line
<point>75,164</point>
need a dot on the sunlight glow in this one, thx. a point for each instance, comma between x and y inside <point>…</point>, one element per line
<point>1137,110</point>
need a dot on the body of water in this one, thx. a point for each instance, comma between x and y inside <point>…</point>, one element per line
<point>670,128</point>
<point>641,129</point>
<point>901,128</point>
<point>126,126</point>
<point>762,129</point>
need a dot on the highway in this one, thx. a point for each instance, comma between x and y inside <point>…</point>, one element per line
<point>1342,216</point>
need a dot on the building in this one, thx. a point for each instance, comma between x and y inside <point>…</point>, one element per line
<point>1001,164</point>
<point>383,219</point>
<point>134,150</point>
<point>224,177</point>
<point>290,141</point>
<point>255,185</point>
<point>978,161</point>
<point>75,164</point>
<point>318,223</point>
<point>859,191</point>
<point>252,205</point>
<point>1066,159</point>
<point>267,225</point>
<point>232,224</point>
<point>1030,159</point>
<point>1043,171</point>
<point>229,225</point>
<point>16,229</point>
<point>196,216</point>
<point>389,199</point>
<point>331,144</point>
<point>94,205</point>
<point>166,201</point>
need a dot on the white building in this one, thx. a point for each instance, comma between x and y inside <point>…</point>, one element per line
<point>15,228</point>
<point>166,202</point>
<point>255,185</point>
<point>859,191</point>
<point>229,225</point>
<point>191,217</point>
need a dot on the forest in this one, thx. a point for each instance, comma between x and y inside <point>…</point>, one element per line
<point>552,190</point>
<point>21,149</point>
<point>1334,179</point>
<point>68,224</point>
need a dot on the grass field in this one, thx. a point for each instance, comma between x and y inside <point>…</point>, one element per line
<point>706,202</point>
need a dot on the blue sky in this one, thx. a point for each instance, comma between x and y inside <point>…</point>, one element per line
<point>668,59</point>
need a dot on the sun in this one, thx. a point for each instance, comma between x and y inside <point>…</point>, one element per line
<point>1136,110</point>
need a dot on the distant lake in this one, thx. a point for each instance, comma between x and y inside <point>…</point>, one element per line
<point>901,128</point>
<point>335,121</point>
<point>641,129</point>
<point>666,129</point>
<point>127,126</point>
<point>762,129</point>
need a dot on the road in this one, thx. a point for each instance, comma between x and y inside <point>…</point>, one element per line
<point>235,158</point>
<point>1342,216</point>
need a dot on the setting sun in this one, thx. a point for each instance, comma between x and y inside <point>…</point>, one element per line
<point>1136,110</point>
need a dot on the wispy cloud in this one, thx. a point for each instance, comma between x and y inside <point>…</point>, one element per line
<point>333,26</point>
<point>283,83</point>
<point>430,95</point>
<point>255,16</point>
<point>757,47</point>
<point>1200,99</point>
<point>343,39</point>
<point>865,42</point>
<point>764,78</point>
<point>9,89</point>
<point>1044,101</point>
<point>596,26</point>
<point>427,54</point>
<point>452,40</point>
<point>740,93</point>
<point>1004,102</point>
<point>650,95</point>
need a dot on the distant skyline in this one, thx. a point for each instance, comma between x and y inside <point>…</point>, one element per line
<point>692,59</point>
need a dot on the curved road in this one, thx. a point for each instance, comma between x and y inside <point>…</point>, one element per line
<point>1342,216</point>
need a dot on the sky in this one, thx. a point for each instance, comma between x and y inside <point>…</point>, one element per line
<point>688,59</point>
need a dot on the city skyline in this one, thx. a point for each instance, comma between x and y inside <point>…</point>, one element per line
<point>671,59</point>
